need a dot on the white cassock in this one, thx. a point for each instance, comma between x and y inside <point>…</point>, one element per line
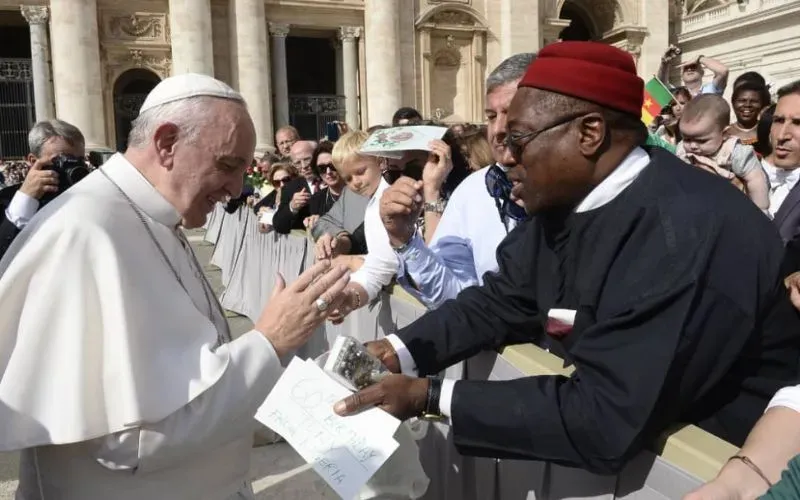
<point>118,379</point>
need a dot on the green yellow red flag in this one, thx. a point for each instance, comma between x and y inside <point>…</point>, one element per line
<point>656,96</point>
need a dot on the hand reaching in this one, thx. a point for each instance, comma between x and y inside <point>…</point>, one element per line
<point>292,313</point>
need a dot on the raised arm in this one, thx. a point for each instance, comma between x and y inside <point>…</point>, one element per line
<point>720,72</point>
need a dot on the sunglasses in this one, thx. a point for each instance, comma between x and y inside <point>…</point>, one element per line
<point>281,181</point>
<point>326,168</point>
<point>499,188</point>
<point>412,168</point>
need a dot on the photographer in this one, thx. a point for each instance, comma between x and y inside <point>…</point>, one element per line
<point>46,140</point>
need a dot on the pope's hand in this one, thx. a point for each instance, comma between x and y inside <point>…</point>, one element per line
<point>399,395</point>
<point>292,313</point>
<point>400,207</point>
<point>39,181</point>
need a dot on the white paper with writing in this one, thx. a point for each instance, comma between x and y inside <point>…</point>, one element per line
<point>345,452</point>
<point>392,142</point>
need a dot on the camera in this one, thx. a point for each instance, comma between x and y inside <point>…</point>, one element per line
<point>70,171</point>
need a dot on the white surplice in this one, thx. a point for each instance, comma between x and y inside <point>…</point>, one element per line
<point>118,382</point>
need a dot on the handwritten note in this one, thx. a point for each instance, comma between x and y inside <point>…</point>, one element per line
<point>345,451</point>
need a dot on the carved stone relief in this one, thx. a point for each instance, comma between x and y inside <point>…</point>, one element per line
<point>119,61</point>
<point>152,28</point>
<point>447,58</point>
<point>35,14</point>
<point>453,17</point>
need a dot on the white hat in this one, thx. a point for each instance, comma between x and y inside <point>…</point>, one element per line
<point>185,86</point>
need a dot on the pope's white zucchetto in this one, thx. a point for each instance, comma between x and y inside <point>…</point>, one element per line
<point>186,86</point>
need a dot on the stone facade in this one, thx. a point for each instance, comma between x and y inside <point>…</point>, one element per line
<point>430,54</point>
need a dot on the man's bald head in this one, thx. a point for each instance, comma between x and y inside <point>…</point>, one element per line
<point>285,137</point>
<point>301,153</point>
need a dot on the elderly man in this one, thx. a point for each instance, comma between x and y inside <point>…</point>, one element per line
<point>296,195</point>
<point>18,204</point>
<point>285,138</point>
<point>660,283</point>
<point>474,221</point>
<point>119,375</point>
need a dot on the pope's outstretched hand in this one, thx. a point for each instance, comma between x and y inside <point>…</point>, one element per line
<point>294,312</point>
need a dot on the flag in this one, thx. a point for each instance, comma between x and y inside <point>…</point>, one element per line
<point>656,96</point>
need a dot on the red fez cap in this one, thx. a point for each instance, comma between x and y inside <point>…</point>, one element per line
<point>591,71</point>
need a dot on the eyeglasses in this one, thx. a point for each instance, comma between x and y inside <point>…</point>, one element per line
<point>326,168</point>
<point>516,142</point>
<point>281,181</point>
<point>499,188</point>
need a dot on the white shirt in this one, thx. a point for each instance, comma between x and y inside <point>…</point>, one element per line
<point>781,182</point>
<point>21,209</point>
<point>788,397</point>
<point>113,375</point>
<point>380,264</point>
<point>611,187</point>
<point>463,248</point>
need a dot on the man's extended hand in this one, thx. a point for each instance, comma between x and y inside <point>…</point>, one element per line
<point>792,283</point>
<point>400,207</point>
<point>382,349</point>
<point>39,182</point>
<point>399,395</point>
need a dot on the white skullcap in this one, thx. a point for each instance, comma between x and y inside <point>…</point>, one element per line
<point>185,86</point>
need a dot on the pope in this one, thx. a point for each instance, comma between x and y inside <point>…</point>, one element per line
<point>118,374</point>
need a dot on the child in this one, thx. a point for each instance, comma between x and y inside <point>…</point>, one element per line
<point>703,126</point>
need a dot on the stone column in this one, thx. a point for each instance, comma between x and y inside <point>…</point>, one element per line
<point>280,82</point>
<point>40,60</point>
<point>337,49</point>
<point>190,30</point>
<point>76,68</point>
<point>251,61</point>
<point>382,37</point>
<point>349,37</point>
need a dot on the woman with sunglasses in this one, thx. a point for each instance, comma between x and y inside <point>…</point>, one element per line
<point>279,174</point>
<point>333,184</point>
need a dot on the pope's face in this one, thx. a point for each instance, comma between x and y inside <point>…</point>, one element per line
<point>211,167</point>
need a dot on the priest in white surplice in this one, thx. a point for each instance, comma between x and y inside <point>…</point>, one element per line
<point>119,376</point>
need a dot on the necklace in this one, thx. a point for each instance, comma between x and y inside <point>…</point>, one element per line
<point>745,129</point>
<point>224,335</point>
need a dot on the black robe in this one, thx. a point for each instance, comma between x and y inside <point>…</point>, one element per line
<point>681,317</point>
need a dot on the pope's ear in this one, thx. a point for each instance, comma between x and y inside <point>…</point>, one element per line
<point>165,138</point>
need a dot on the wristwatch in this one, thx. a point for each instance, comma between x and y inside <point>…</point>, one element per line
<point>432,411</point>
<point>436,207</point>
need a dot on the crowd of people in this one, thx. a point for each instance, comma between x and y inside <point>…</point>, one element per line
<point>669,276</point>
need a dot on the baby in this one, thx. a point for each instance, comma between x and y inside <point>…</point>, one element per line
<point>703,126</point>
